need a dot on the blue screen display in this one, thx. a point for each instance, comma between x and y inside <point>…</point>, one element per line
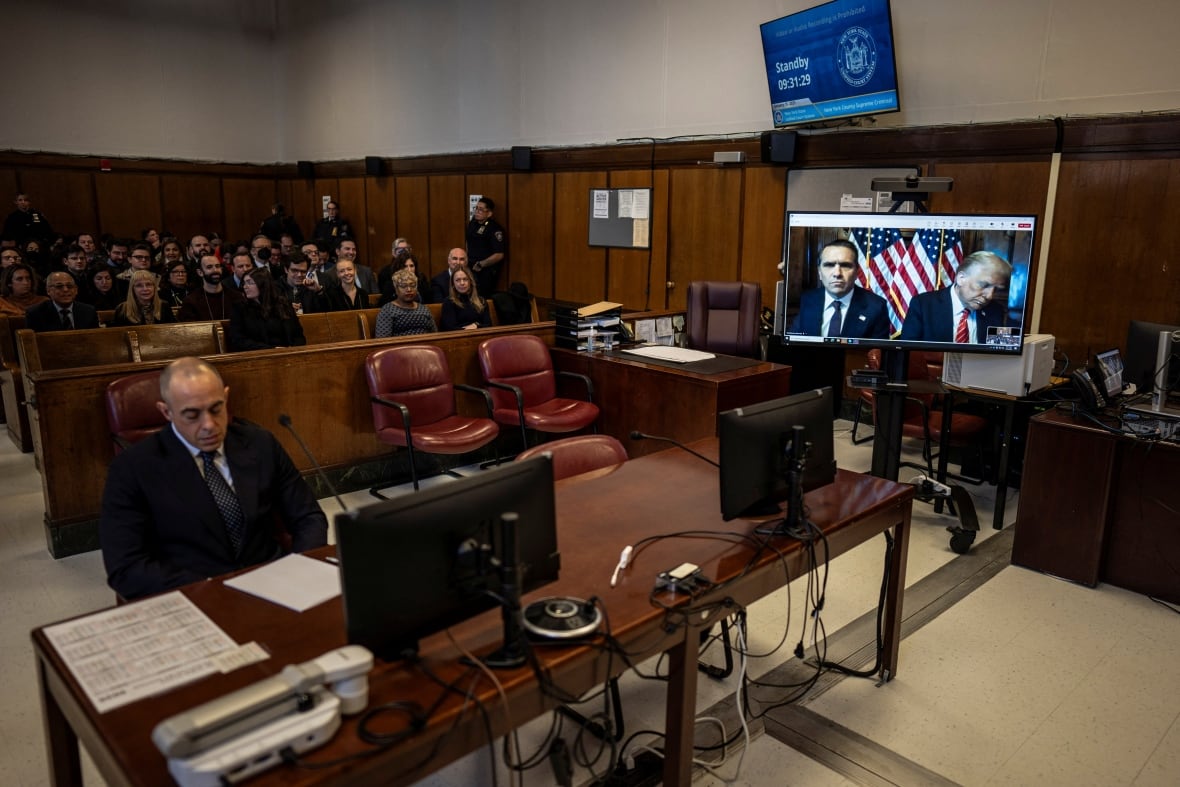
<point>832,61</point>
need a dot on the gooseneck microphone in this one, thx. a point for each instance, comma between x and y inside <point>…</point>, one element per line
<point>285,420</point>
<point>638,435</point>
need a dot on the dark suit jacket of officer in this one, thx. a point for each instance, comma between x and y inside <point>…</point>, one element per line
<point>160,527</point>
<point>867,316</point>
<point>47,317</point>
<point>929,318</point>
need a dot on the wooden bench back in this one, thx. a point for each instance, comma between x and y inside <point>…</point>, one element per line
<point>8,328</point>
<point>103,346</point>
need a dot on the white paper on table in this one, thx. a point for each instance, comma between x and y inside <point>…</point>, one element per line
<point>645,330</point>
<point>296,582</point>
<point>140,649</point>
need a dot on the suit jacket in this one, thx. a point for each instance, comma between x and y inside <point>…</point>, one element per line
<point>46,317</point>
<point>929,318</point>
<point>867,316</point>
<point>440,287</point>
<point>160,527</point>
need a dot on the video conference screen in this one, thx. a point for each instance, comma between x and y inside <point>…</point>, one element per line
<point>941,282</point>
<point>832,61</point>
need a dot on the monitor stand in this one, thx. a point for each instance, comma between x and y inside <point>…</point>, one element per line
<point>794,523</point>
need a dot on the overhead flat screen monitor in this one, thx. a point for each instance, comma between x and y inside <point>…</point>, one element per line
<point>939,282</point>
<point>830,62</point>
<point>418,563</point>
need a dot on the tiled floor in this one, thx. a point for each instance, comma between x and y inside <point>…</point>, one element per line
<point>1026,680</point>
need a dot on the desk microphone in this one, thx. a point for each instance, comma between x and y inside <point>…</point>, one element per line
<point>285,420</point>
<point>637,435</point>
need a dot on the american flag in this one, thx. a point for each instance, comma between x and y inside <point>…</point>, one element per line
<point>884,253</point>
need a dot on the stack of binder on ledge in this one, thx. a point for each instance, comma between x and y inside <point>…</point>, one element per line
<point>588,328</point>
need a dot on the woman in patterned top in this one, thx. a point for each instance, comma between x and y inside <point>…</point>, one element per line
<point>404,315</point>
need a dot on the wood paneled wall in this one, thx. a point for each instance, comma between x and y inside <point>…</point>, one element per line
<point>1118,185</point>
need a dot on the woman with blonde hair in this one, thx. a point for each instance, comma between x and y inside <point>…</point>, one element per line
<point>464,309</point>
<point>143,305</point>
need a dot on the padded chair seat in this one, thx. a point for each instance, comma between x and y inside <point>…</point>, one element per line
<point>963,426</point>
<point>555,415</point>
<point>582,454</point>
<point>452,435</point>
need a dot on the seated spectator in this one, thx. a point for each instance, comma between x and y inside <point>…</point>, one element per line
<point>212,300</point>
<point>405,315</point>
<point>464,309</point>
<point>170,252</point>
<point>405,262</point>
<point>265,319</point>
<point>10,257</point>
<point>143,305</point>
<point>346,250</point>
<point>174,288</point>
<point>62,312</point>
<point>344,294</point>
<point>102,292</point>
<point>18,290</point>
<point>140,259</point>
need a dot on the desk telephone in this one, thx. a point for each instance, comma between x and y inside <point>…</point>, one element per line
<point>1088,391</point>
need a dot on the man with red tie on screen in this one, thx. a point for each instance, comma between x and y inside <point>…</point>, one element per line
<point>963,312</point>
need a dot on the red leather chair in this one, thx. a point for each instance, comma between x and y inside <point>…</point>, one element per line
<point>520,373</point>
<point>723,317</point>
<point>922,417</point>
<point>131,409</point>
<point>580,454</point>
<point>413,400</point>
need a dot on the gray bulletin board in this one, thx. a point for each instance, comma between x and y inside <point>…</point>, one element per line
<point>620,218</point>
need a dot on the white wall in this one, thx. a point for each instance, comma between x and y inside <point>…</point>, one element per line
<point>346,79</point>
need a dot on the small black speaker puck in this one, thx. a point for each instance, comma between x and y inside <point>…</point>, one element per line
<point>559,617</point>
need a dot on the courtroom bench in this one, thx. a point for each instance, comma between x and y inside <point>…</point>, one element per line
<point>12,389</point>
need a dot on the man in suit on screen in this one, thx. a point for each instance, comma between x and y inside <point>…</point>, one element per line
<point>963,312</point>
<point>838,308</point>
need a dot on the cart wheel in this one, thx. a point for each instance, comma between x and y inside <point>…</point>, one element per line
<point>961,540</point>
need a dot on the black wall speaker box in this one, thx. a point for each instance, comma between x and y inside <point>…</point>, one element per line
<point>522,158</point>
<point>778,147</point>
<point>373,165</point>
<point>306,169</point>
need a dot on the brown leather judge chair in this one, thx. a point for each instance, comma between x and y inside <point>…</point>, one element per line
<point>523,384</point>
<point>413,400</point>
<point>132,414</point>
<point>579,454</point>
<point>723,317</point>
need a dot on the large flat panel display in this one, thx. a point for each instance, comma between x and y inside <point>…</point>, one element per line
<point>920,281</point>
<point>829,62</point>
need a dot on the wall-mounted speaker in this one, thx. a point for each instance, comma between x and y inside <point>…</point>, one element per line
<point>306,169</point>
<point>373,165</point>
<point>522,158</point>
<point>778,147</point>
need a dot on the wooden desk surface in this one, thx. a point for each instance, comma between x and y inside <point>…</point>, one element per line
<point>667,401</point>
<point>598,514</point>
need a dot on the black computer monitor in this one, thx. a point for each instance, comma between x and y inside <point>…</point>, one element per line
<point>755,443</point>
<point>1140,359</point>
<point>416,564</point>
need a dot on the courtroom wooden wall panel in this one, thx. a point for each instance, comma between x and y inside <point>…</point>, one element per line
<point>448,205</point>
<point>381,208</point>
<point>579,271</point>
<point>530,235</point>
<point>324,186</point>
<point>191,204</point>
<point>1112,257</point>
<point>705,227</point>
<point>635,277</point>
<point>66,198</point>
<point>127,204</point>
<point>8,188</point>
<point>304,205</point>
<point>353,208</point>
<point>763,208</point>
<point>247,202</point>
<point>414,212</point>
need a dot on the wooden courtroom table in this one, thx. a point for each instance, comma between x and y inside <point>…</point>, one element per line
<point>674,402</point>
<point>598,514</point>
<point>1098,506</point>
